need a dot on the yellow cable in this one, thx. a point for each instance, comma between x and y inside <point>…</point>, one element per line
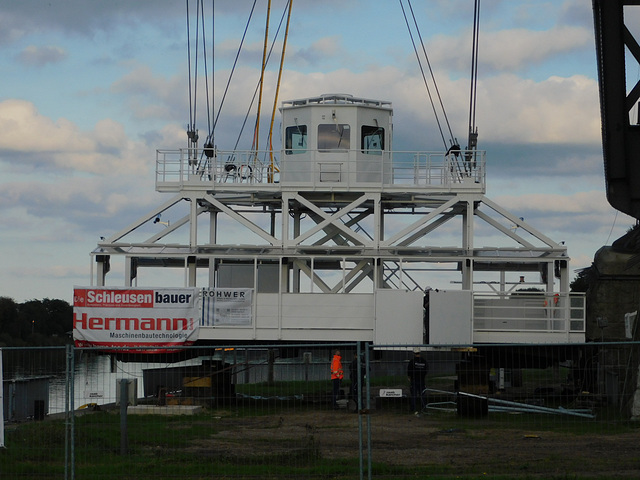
<point>272,167</point>
<point>264,62</point>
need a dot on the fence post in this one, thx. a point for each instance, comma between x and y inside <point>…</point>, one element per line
<point>368,390</point>
<point>359,393</point>
<point>69,407</point>
<point>271,361</point>
<point>1,404</point>
<point>124,399</point>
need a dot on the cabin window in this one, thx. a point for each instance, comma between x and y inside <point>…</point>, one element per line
<point>372,139</point>
<point>295,139</point>
<point>334,136</point>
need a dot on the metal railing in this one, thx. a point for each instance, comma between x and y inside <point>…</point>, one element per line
<point>532,312</point>
<point>316,168</point>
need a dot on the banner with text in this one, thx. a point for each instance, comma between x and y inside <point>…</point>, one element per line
<point>135,317</point>
<point>226,307</point>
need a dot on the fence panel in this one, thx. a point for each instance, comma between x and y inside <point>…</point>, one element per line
<point>34,386</point>
<point>268,411</point>
<point>517,410</point>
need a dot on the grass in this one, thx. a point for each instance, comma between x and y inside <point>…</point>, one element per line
<point>309,388</point>
<point>159,447</point>
<point>284,389</point>
<point>164,447</point>
<point>169,447</point>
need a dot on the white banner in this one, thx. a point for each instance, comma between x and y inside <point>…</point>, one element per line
<point>1,404</point>
<point>226,307</point>
<point>135,317</point>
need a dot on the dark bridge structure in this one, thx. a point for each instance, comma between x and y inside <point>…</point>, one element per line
<point>615,44</point>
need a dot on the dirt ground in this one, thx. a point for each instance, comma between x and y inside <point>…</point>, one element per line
<point>473,447</point>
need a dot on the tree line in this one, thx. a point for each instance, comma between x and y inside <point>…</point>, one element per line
<point>35,322</point>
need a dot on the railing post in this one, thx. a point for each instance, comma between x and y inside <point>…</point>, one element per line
<point>124,399</point>
<point>368,408</point>
<point>358,390</point>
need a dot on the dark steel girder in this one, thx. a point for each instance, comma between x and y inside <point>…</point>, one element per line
<point>620,138</point>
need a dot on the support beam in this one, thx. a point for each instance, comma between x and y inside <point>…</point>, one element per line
<point>332,220</point>
<point>423,220</point>
<point>242,220</point>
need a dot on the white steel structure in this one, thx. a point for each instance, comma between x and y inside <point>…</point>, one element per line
<point>339,236</point>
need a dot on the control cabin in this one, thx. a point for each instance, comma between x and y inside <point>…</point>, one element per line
<point>319,134</point>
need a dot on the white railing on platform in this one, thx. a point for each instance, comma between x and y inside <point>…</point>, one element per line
<point>535,312</point>
<point>348,168</point>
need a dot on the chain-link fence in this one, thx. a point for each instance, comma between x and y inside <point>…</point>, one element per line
<point>273,411</point>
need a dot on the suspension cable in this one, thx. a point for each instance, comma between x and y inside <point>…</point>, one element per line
<point>192,133</point>
<point>195,77</point>
<point>206,73</point>
<point>233,68</point>
<point>213,69</point>
<point>424,78</point>
<point>256,132</point>
<point>433,78</point>
<point>255,91</point>
<point>191,119</point>
<point>275,100</point>
<point>473,95</point>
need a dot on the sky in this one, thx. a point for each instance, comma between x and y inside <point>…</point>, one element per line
<point>91,89</point>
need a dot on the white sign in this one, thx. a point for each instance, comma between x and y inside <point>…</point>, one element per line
<point>391,392</point>
<point>91,395</point>
<point>135,317</point>
<point>226,307</point>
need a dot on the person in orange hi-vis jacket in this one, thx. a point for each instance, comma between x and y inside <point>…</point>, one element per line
<point>336,376</point>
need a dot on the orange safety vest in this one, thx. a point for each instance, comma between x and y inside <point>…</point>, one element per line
<point>556,299</point>
<point>336,367</point>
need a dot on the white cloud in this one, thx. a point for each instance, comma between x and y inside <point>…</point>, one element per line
<point>60,144</point>
<point>510,109</point>
<point>40,56</point>
<point>151,96</point>
<point>557,110</point>
<point>508,50</point>
<point>80,16</point>
<point>592,202</point>
<point>20,119</point>
<point>326,47</point>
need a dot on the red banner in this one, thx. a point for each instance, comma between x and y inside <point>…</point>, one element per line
<point>135,317</point>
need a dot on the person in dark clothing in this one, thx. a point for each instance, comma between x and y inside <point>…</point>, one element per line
<point>425,314</point>
<point>417,371</point>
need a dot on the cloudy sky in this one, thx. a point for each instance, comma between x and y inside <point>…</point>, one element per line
<point>90,89</point>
